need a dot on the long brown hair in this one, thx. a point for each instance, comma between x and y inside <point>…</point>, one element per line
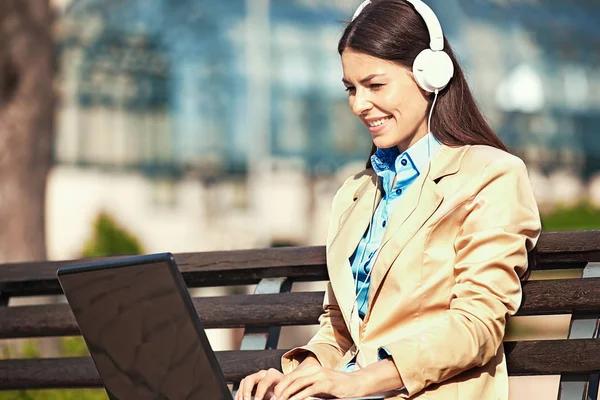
<point>393,30</point>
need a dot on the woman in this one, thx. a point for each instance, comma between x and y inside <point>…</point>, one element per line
<point>427,245</point>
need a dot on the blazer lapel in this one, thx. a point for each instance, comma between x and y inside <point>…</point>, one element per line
<point>353,224</point>
<point>417,205</point>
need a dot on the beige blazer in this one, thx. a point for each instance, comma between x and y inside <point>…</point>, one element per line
<point>446,278</point>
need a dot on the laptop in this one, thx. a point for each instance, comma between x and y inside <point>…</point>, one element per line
<point>142,330</point>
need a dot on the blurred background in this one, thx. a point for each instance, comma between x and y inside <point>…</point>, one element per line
<point>141,126</point>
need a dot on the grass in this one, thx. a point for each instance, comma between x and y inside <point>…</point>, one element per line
<point>583,216</point>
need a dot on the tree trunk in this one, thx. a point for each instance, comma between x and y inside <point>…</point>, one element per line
<point>26,125</point>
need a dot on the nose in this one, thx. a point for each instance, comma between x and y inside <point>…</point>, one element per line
<point>360,103</point>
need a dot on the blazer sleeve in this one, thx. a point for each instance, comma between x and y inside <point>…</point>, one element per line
<point>329,344</point>
<point>502,224</point>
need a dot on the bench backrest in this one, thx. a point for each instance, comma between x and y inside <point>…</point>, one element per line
<point>274,270</point>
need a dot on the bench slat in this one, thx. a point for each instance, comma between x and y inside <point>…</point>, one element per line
<point>302,308</point>
<point>524,358</point>
<point>569,246</point>
<point>553,357</point>
<point>223,268</point>
<point>298,308</point>
<point>17,285</point>
<point>560,296</point>
<point>80,372</point>
<point>242,267</point>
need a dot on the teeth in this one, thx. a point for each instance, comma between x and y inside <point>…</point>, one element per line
<point>378,122</point>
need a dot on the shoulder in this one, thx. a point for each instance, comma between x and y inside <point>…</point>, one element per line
<point>357,181</point>
<point>353,187</point>
<point>488,172</point>
<point>483,155</point>
<point>494,176</point>
<point>490,160</point>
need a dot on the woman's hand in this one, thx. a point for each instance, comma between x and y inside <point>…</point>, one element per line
<point>380,377</point>
<point>318,381</point>
<point>264,381</point>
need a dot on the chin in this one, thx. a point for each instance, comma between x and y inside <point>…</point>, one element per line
<point>382,142</point>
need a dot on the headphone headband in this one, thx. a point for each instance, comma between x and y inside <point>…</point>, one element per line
<point>360,8</point>
<point>436,35</point>
<point>432,68</point>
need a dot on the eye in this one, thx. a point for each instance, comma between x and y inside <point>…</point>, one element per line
<point>375,86</point>
<point>350,89</point>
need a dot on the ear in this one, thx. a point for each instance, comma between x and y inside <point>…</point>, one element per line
<point>426,95</point>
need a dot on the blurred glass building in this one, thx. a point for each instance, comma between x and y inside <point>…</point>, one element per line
<point>168,108</point>
<point>215,88</point>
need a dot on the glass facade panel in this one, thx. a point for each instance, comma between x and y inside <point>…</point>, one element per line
<point>216,87</point>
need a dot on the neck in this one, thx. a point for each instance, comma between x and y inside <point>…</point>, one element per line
<point>414,138</point>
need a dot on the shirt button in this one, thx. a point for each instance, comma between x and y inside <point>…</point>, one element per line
<point>404,162</point>
<point>383,224</point>
<point>398,191</point>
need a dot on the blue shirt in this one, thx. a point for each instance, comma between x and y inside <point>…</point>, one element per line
<point>388,164</point>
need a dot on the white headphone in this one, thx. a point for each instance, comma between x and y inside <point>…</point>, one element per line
<point>433,67</point>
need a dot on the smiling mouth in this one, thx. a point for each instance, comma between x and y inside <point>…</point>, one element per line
<point>378,122</point>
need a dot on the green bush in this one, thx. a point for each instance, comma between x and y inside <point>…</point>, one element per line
<point>583,216</point>
<point>108,239</point>
<point>69,347</point>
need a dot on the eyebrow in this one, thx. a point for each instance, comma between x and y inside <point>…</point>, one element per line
<point>363,80</point>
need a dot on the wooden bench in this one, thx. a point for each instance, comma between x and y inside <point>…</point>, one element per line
<point>274,305</point>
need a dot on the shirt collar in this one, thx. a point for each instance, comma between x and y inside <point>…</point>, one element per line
<point>419,153</point>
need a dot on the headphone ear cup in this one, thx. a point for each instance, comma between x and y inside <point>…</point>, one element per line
<point>433,70</point>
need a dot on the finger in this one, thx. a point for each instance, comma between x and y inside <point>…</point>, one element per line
<point>309,391</point>
<point>249,383</point>
<point>271,378</point>
<point>299,385</point>
<point>292,377</point>
<point>245,387</point>
<point>238,393</point>
<point>317,388</point>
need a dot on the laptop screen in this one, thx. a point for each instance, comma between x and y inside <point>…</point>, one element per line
<point>142,334</point>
